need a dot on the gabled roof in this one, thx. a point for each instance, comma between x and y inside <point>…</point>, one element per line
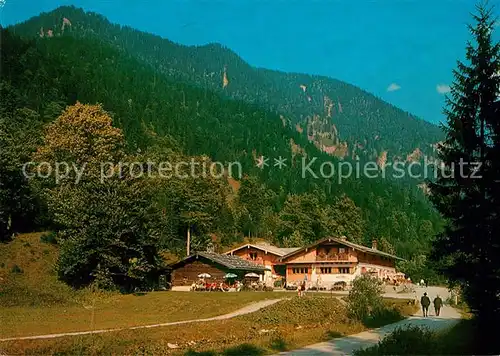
<point>228,261</point>
<point>266,247</point>
<point>288,250</point>
<point>343,241</point>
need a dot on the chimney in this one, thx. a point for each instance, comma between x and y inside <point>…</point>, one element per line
<point>374,244</point>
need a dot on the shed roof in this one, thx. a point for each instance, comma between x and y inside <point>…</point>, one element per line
<point>228,261</point>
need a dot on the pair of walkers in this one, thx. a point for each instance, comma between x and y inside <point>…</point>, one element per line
<point>426,302</point>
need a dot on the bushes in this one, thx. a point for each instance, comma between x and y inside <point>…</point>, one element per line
<point>382,315</point>
<point>49,238</point>
<point>465,338</point>
<point>365,303</point>
<point>412,340</point>
<point>365,297</point>
<point>301,311</point>
<point>16,269</point>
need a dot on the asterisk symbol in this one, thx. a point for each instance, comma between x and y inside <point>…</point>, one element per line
<point>280,162</point>
<point>262,162</point>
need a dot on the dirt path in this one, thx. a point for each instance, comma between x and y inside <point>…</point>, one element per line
<point>346,345</point>
<point>245,310</point>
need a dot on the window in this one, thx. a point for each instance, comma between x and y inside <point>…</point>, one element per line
<point>344,270</point>
<point>301,270</point>
<point>253,255</point>
<point>326,270</point>
<point>341,250</point>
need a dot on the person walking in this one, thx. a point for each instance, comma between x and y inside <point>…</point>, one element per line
<point>425,302</point>
<point>303,289</point>
<point>438,303</point>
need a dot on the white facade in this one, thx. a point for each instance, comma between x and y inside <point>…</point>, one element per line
<point>379,271</point>
<point>328,279</point>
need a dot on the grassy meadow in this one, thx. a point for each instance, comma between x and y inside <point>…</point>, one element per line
<point>34,302</point>
<point>286,325</point>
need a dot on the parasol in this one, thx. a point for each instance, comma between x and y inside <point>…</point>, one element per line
<point>254,275</point>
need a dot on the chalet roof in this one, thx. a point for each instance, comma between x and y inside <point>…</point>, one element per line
<point>288,250</point>
<point>267,247</point>
<point>228,261</point>
<point>343,241</point>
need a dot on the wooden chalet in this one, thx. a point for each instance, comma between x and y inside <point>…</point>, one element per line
<point>326,262</point>
<point>333,260</point>
<point>186,271</point>
<point>266,255</point>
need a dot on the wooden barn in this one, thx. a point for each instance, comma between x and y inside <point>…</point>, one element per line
<point>185,272</point>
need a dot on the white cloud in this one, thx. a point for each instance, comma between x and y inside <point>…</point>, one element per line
<point>443,88</point>
<point>393,87</point>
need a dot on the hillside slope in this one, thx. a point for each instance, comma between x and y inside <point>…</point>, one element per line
<point>339,118</point>
<point>27,276</point>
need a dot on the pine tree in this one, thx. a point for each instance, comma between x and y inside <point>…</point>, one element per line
<point>466,192</point>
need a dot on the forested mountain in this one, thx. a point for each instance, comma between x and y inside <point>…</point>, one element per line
<point>44,75</point>
<point>50,85</point>
<point>339,118</point>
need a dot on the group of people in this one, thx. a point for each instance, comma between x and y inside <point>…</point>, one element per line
<point>425,301</point>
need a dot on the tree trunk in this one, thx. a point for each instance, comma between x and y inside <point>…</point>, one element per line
<point>188,240</point>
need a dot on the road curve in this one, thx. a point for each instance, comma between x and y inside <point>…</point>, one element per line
<point>346,345</point>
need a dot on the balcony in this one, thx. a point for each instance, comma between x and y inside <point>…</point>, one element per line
<point>258,260</point>
<point>333,257</point>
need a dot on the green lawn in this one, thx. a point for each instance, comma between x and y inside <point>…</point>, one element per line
<point>124,310</point>
<point>35,302</point>
<point>289,324</point>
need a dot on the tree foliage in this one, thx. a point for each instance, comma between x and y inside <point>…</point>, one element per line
<point>467,194</point>
<point>20,130</point>
<point>165,117</point>
<point>110,227</point>
<point>365,297</point>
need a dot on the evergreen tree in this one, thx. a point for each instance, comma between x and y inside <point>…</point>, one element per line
<point>469,246</point>
<point>19,135</point>
<point>254,201</point>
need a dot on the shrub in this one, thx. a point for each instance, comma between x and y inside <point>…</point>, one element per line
<point>382,316</point>
<point>365,298</point>
<point>49,238</point>
<point>412,340</point>
<point>300,311</point>
<point>103,280</point>
<point>16,269</point>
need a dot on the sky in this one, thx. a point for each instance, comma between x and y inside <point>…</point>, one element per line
<point>403,51</point>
